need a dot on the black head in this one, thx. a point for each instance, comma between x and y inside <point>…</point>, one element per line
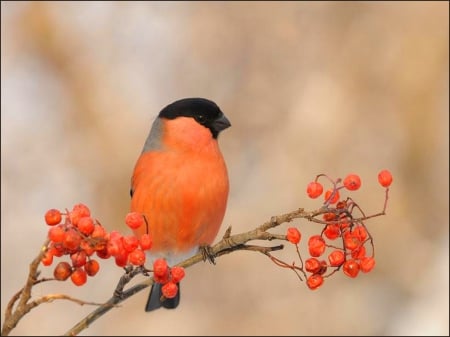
<point>204,111</point>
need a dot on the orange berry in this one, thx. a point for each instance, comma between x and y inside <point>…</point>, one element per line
<point>79,211</point>
<point>336,258</point>
<point>52,217</point>
<point>86,225</point>
<point>352,182</point>
<point>314,189</point>
<point>130,243</point>
<point>367,264</point>
<point>103,253</point>
<point>169,290</point>
<point>351,242</point>
<point>351,268</point>
<point>360,233</point>
<point>137,257</point>
<point>134,220</point>
<point>329,217</point>
<point>160,267</point>
<point>314,281</point>
<point>115,246</point>
<point>91,267</point>
<point>87,247</point>
<point>121,258</point>
<point>312,265</point>
<point>160,271</point>
<point>335,198</point>
<point>72,240</point>
<point>385,178</point>
<point>316,245</point>
<point>293,235</point>
<point>359,252</point>
<point>145,241</point>
<point>98,232</point>
<point>332,231</point>
<point>78,259</point>
<point>62,271</point>
<point>78,276</point>
<point>47,258</point>
<point>177,274</point>
<point>56,233</point>
<point>56,248</point>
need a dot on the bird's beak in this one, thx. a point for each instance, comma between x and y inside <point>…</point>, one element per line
<point>221,124</point>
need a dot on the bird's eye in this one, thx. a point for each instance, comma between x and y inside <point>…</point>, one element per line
<point>200,118</point>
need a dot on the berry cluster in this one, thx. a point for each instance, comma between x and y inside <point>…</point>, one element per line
<point>76,234</point>
<point>340,225</point>
<point>168,277</point>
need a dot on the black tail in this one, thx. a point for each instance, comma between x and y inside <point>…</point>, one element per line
<point>154,299</point>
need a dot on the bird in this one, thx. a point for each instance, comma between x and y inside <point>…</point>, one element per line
<point>180,184</point>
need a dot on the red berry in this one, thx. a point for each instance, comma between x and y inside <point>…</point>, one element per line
<point>177,274</point>
<point>316,245</point>
<point>103,253</point>
<point>314,281</point>
<point>91,267</point>
<point>86,225</point>
<point>113,235</point>
<point>79,211</point>
<point>62,271</point>
<point>293,235</point>
<point>360,233</point>
<point>145,241</point>
<point>351,268</point>
<point>160,271</point>
<point>336,258</point>
<point>385,178</point>
<point>47,258</point>
<point>78,259</point>
<point>52,217</point>
<point>314,189</point>
<point>352,182</point>
<point>367,264</point>
<point>114,246</point>
<point>121,258</point>
<point>130,243</point>
<point>160,267</point>
<point>56,248</point>
<point>329,217</point>
<point>351,242</point>
<point>87,247</point>
<point>359,252</point>
<point>335,198</point>
<point>137,257</point>
<point>312,265</point>
<point>78,276</point>
<point>56,233</point>
<point>98,232</point>
<point>134,220</point>
<point>72,240</point>
<point>82,209</point>
<point>169,290</point>
<point>332,231</point>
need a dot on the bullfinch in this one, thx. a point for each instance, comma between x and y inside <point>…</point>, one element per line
<point>180,184</point>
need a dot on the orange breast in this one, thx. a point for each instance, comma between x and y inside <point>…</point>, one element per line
<point>183,195</point>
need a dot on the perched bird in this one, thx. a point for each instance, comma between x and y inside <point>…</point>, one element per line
<point>180,184</point>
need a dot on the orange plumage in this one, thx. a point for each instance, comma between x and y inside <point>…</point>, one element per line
<point>180,181</point>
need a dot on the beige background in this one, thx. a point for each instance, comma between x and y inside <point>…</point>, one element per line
<point>309,88</point>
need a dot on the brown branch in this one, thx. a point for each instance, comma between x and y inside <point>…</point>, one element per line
<point>228,244</point>
<point>51,297</point>
<point>23,296</point>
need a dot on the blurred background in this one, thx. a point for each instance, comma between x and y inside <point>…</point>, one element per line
<point>310,87</point>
